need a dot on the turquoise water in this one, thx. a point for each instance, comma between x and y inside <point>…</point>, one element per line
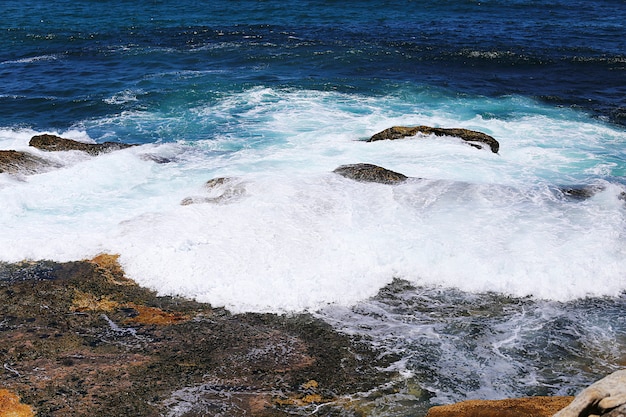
<point>479,273</point>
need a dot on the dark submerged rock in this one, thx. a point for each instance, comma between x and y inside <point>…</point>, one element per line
<point>470,136</point>
<point>580,193</point>
<point>370,173</point>
<point>156,158</point>
<point>56,143</point>
<point>80,339</point>
<point>16,162</point>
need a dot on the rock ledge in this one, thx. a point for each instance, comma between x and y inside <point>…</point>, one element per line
<point>473,137</point>
<point>55,143</point>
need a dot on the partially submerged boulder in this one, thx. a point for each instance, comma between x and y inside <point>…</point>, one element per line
<point>514,407</point>
<point>55,143</point>
<point>579,193</point>
<point>222,190</point>
<point>606,397</point>
<point>370,173</point>
<point>16,162</point>
<point>473,137</point>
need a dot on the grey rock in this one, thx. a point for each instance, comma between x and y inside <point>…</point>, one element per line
<point>370,173</point>
<point>606,397</point>
<point>617,412</point>
<point>16,162</point>
<point>580,193</point>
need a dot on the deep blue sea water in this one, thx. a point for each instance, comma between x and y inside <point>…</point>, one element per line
<point>484,278</point>
<point>61,60</point>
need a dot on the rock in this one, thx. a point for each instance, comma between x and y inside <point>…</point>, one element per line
<point>370,173</point>
<point>606,397</point>
<point>56,143</point>
<point>223,190</point>
<point>156,158</point>
<point>470,136</point>
<point>80,339</point>
<point>516,407</point>
<point>580,193</point>
<point>617,412</point>
<point>10,405</point>
<point>15,162</point>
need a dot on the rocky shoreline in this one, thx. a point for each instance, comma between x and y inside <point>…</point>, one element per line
<point>80,339</point>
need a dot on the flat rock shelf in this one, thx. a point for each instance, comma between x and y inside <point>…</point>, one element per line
<point>79,338</point>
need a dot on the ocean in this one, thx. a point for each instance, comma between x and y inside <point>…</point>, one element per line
<point>479,274</point>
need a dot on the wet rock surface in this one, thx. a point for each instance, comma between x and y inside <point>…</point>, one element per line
<point>370,173</point>
<point>580,193</point>
<point>80,339</point>
<point>16,162</point>
<point>474,138</point>
<point>25,163</point>
<point>55,143</point>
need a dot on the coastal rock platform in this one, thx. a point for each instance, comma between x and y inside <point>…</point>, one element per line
<point>80,339</point>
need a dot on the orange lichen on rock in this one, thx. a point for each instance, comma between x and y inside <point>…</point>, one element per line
<point>88,302</point>
<point>111,268</point>
<point>302,401</point>
<point>153,315</point>
<point>310,384</point>
<point>10,405</point>
<point>145,315</point>
<point>516,407</point>
<point>306,398</point>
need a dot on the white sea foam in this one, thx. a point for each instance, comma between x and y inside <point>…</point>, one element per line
<point>484,346</point>
<point>123,97</point>
<point>30,60</point>
<point>300,237</point>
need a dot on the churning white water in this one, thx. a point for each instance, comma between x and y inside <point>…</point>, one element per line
<point>290,235</point>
